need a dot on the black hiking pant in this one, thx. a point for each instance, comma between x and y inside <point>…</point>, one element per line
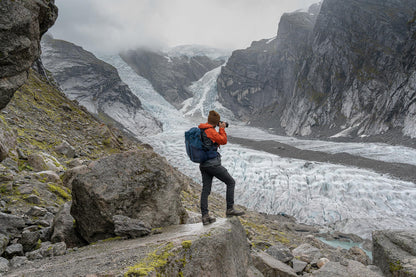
<point>222,174</point>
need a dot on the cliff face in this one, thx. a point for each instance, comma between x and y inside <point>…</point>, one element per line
<point>353,73</point>
<point>22,23</point>
<point>263,75</point>
<point>96,85</point>
<point>170,75</point>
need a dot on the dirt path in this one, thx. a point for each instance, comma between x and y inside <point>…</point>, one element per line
<point>111,258</point>
<point>404,172</point>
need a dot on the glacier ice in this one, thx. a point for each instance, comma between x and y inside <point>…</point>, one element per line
<point>347,199</point>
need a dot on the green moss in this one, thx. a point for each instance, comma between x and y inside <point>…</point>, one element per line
<point>60,191</point>
<point>104,240</point>
<point>207,235</point>
<point>156,230</point>
<point>152,262</point>
<point>3,188</point>
<point>107,141</point>
<point>23,165</point>
<point>38,244</point>
<point>395,266</point>
<point>186,244</point>
<point>113,238</point>
<point>263,233</point>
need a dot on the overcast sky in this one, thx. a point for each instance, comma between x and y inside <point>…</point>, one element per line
<point>114,25</point>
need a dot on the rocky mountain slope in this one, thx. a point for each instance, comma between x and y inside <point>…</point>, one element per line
<point>96,85</point>
<point>22,23</point>
<point>171,73</point>
<point>346,66</point>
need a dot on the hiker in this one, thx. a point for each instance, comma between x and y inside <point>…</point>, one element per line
<point>213,168</point>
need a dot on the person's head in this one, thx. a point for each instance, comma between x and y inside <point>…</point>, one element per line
<point>213,118</point>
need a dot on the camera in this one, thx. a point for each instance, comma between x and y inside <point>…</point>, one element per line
<point>226,123</point>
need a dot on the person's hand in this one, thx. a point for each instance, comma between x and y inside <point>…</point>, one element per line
<point>222,124</point>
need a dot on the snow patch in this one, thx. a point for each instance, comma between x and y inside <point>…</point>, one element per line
<point>270,40</point>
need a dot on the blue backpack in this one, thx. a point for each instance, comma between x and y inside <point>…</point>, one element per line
<point>195,148</point>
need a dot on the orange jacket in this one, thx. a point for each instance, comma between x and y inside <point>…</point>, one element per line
<point>217,137</point>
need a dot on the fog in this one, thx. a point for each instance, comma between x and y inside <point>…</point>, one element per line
<point>112,26</point>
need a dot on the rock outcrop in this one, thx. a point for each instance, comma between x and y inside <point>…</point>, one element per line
<point>263,75</point>
<point>345,69</point>
<point>97,86</point>
<point>22,23</point>
<point>170,73</point>
<point>395,252</point>
<point>223,251</point>
<point>137,184</point>
<point>269,266</point>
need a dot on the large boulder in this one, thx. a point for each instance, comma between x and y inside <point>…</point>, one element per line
<point>11,225</point>
<point>137,184</point>
<point>280,252</point>
<point>394,251</point>
<point>221,251</point>
<point>270,266</point>
<point>307,253</point>
<point>127,227</point>
<point>348,268</point>
<point>22,23</point>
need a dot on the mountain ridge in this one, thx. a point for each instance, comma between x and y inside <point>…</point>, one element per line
<point>350,75</point>
<point>96,85</point>
<point>171,75</point>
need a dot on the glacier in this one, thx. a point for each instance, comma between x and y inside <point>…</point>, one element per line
<point>335,197</point>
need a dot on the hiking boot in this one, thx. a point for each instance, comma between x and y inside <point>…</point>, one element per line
<point>233,212</point>
<point>206,219</point>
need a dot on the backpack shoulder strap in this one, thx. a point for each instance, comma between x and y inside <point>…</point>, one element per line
<point>206,141</point>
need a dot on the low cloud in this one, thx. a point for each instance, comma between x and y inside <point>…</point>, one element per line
<point>111,26</point>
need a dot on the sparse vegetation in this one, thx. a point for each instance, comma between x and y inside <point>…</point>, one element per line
<point>154,260</point>
<point>60,191</point>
